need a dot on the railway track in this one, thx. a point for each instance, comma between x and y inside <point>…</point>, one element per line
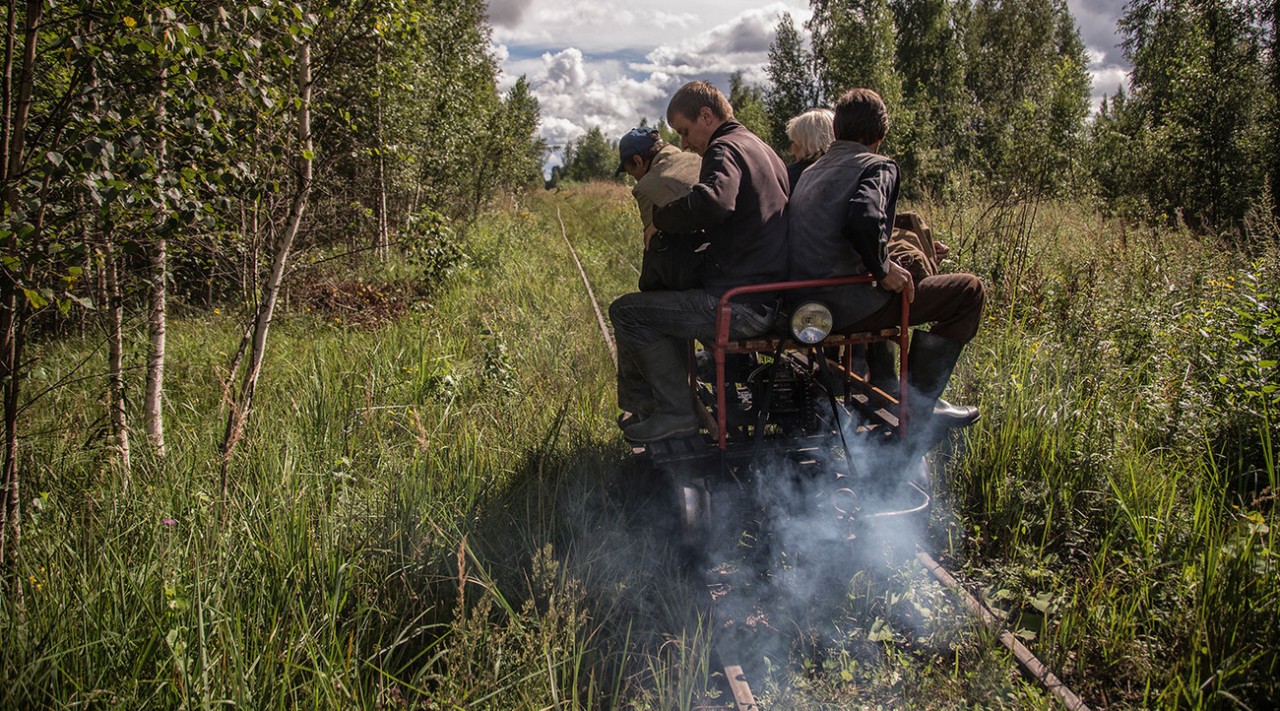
<point>730,662</point>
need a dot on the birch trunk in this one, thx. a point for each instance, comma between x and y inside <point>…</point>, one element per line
<point>153,400</point>
<point>242,403</point>
<point>115,357</point>
<point>382,239</point>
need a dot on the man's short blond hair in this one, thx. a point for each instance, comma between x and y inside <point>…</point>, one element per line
<point>811,132</point>
<point>692,97</point>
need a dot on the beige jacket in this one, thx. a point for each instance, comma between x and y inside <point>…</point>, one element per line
<point>672,175</point>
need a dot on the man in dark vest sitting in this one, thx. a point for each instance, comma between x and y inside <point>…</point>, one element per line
<point>841,219</point>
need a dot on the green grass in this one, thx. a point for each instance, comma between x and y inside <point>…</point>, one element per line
<point>437,511</point>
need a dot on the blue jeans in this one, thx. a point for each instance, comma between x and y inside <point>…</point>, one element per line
<point>647,319</point>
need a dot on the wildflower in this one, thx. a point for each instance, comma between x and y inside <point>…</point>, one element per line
<point>130,22</point>
<point>216,311</point>
<point>168,522</point>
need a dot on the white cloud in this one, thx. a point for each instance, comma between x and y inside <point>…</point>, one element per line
<point>1106,80</point>
<point>1097,22</point>
<point>578,90</point>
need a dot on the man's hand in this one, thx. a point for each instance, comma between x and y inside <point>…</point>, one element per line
<point>898,280</point>
<point>649,232</point>
<point>941,249</point>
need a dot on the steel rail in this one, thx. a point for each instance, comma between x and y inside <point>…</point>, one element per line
<point>1025,657</point>
<point>736,679</point>
<point>595,304</point>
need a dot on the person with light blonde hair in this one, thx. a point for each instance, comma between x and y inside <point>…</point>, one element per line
<point>811,135</point>
<point>841,218</point>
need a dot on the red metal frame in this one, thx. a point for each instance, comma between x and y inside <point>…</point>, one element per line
<point>722,344</point>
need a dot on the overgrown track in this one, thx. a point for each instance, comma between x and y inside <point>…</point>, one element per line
<point>735,678</point>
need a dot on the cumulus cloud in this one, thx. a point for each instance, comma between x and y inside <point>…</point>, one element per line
<point>579,89</point>
<point>739,44</point>
<point>1107,66</point>
<point>1106,81</point>
<point>576,95</point>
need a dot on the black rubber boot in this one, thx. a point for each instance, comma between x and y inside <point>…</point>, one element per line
<point>665,367</point>
<point>954,416</point>
<point>929,365</point>
<point>882,373</point>
<point>881,369</point>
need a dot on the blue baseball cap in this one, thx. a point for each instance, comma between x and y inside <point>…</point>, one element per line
<point>634,142</point>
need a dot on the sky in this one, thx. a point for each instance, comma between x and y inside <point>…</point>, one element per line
<point>609,63</point>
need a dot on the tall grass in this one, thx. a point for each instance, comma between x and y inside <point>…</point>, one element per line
<point>435,510</point>
<point>1123,478</point>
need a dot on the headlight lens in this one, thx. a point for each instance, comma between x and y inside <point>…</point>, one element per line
<point>811,322</point>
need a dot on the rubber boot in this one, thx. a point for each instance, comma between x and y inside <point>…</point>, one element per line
<point>665,368</point>
<point>929,365</point>
<point>882,374</point>
<point>881,370</point>
<point>635,398</point>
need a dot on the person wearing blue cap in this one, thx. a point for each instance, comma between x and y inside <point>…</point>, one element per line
<point>663,173</point>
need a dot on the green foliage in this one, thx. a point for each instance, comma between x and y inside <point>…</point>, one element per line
<point>1197,120</point>
<point>1238,337</point>
<point>1115,462</point>
<point>429,246</point>
<point>993,93</point>
<point>853,45</point>
<point>591,157</point>
<point>415,98</point>
<point>1028,74</point>
<point>793,88</point>
<point>931,59</point>
<point>748,105</point>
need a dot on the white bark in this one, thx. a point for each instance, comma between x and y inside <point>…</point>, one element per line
<point>242,404</point>
<point>115,364</point>
<point>152,404</point>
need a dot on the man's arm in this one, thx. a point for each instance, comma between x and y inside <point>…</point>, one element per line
<point>712,199</point>
<point>866,223</point>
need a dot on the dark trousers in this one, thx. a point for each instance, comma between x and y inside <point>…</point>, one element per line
<point>644,319</point>
<point>951,302</point>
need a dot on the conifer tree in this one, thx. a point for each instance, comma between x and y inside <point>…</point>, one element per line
<point>1200,91</point>
<point>793,87</point>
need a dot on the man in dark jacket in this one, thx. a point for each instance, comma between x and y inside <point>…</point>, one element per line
<point>841,219</point>
<point>740,204</point>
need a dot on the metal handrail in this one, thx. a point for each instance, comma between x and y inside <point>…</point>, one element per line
<point>724,313</point>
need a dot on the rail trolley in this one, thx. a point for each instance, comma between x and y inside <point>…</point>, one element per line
<point>790,404</point>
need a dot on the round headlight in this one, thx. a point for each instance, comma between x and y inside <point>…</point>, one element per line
<point>811,322</point>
